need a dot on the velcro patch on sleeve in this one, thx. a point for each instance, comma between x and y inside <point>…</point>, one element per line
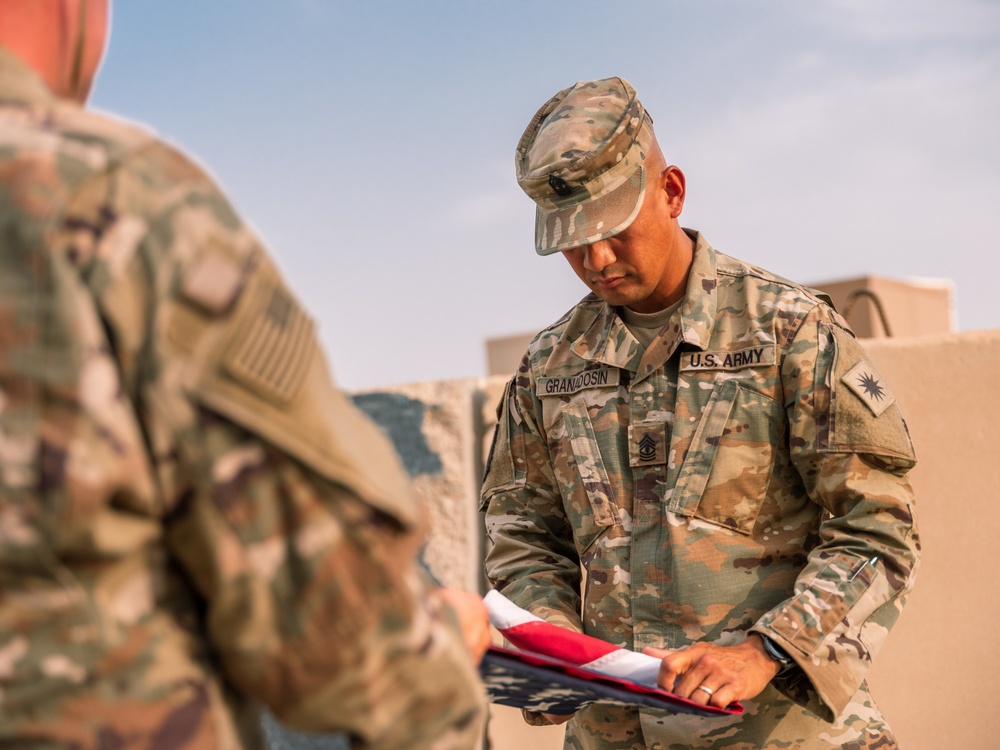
<point>213,283</point>
<point>273,356</point>
<point>866,383</point>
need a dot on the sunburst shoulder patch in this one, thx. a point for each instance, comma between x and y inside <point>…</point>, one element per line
<point>868,385</point>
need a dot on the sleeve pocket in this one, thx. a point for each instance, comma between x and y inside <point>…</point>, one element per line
<point>503,470</point>
<point>831,601</point>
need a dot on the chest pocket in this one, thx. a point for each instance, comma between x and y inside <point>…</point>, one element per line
<point>585,454</point>
<point>583,444</point>
<point>725,474</point>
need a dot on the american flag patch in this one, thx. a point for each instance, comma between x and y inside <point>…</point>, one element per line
<point>274,354</point>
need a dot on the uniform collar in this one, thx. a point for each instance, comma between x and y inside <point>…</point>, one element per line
<point>598,334</point>
<point>701,301</point>
<point>18,82</point>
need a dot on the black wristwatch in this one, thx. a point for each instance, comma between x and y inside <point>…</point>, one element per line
<point>777,653</point>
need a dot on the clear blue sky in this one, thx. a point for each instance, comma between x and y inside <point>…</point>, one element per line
<point>370,142</point>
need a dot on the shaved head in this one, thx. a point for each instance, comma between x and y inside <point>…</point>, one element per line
<point>62,40</point>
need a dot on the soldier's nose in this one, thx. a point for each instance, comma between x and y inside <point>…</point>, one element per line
<point>598,256</point>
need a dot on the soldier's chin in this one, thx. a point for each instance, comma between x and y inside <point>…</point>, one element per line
<point>614,297</point>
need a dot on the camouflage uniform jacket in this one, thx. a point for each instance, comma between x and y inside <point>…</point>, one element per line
<point>191,516</point>
<point>746,472</point>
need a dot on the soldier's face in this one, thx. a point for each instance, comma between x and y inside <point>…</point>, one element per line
<point>638,267</point>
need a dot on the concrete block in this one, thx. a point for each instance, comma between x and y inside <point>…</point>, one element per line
<point>434,428</point>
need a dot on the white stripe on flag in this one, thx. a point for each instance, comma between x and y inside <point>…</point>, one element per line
<point>619,662</point>
<point>628,665</point>
<point>504,613</point>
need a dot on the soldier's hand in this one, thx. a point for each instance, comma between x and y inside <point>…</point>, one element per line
<point>473,618</point>
<point>710,674</point>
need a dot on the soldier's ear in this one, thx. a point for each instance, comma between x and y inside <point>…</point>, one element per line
<point>674,184</point>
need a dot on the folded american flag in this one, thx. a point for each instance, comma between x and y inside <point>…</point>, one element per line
<point>558,670</point>
<point>531,633</point>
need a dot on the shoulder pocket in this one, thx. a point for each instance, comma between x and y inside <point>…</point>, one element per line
<point>864,416</point>
<point>267,374</point>
<point>505,466</point>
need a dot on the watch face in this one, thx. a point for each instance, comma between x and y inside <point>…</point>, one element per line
<point>776,652</point>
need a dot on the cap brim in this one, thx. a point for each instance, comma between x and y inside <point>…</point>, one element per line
<point>589,221</point>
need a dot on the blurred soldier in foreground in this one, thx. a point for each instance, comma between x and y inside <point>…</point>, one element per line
<point>192,518</point>
<point>713,447</point>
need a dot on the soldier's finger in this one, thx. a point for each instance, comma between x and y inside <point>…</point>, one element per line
<point>723,696</point>
<point>698,674</point>
<point>672,666</point>
<point>704,694</point>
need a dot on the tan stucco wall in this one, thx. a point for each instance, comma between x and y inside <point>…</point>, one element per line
<point>910,308</point>
<point>937,676</point>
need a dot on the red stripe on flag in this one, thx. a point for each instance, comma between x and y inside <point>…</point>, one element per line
<point>557,642</point>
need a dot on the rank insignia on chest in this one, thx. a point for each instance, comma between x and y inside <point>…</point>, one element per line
<point>867,384</point>
<point>751,356</point>
<point>647,448</point>
<point>647,444</point>
<point>605,377</point>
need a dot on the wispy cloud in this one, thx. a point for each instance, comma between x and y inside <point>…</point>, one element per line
<point>913,20</point>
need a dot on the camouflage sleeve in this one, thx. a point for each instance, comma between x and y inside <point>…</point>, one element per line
<point>851,447</point>
<point>286,507</point>
<point>532,558</point>
<point>315,606</point>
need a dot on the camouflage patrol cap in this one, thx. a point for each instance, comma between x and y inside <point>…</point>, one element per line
<point>581,161</point>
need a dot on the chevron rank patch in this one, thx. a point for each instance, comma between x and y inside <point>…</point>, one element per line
<point>648,443</point>
<point>868,385</point>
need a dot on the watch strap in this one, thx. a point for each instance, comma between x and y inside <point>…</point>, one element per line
<point>776,652</point>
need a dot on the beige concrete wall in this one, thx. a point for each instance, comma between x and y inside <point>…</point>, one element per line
<point>910,308</point>
<point>937,676</point>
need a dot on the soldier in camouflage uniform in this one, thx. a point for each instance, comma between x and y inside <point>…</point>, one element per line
<point>698,460</point>
<point>192,518</point>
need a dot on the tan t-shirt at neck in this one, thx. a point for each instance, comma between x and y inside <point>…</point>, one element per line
<point>645,326</point>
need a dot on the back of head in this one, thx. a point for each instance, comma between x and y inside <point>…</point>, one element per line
<point>581,159</point>
<point>62,40</point>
